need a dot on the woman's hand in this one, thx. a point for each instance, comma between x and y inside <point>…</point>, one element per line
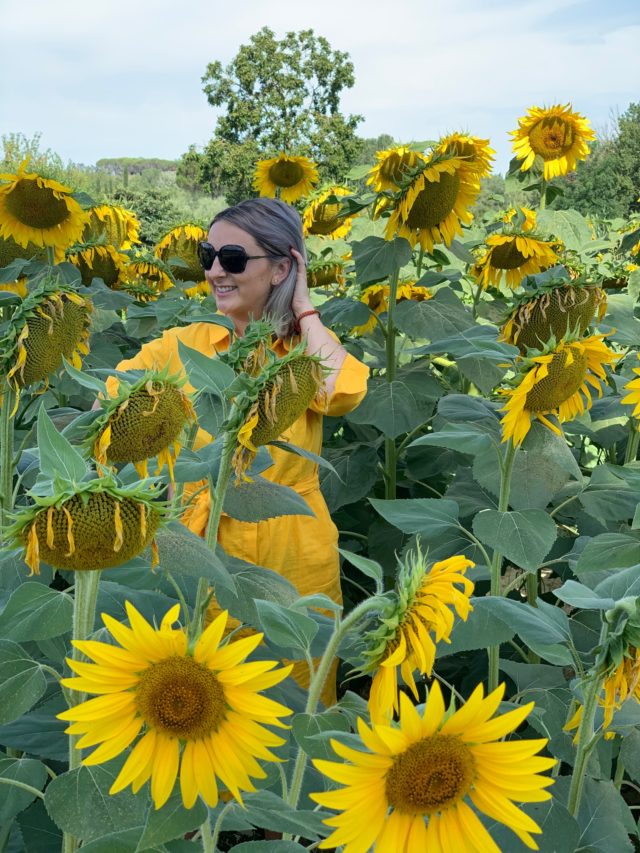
<point>301,300</point>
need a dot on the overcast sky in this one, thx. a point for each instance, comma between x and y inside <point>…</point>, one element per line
<point>123,77</point>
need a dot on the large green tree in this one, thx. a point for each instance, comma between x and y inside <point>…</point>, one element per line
<point>278,95</point>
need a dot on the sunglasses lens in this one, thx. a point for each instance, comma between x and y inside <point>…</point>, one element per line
<point>206,255</point>
<point>233,259</point>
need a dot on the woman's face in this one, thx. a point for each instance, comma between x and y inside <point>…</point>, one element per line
<point>243,295</point>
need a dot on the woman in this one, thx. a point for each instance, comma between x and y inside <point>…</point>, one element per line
<point>254,261</point>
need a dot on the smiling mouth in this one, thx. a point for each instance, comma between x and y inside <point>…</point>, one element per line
<point>225,289</point>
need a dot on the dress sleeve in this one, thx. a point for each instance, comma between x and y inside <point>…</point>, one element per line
<point>349,390</point>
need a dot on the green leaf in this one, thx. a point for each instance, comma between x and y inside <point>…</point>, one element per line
<point>285,627</point>
<point>523,536</point>
<point>121,841</point>
<point>262,499</point>
<point>22,681</point>
<point>85,379</point>
<point>355,474</point>
<point>80,804</point>
<point>622,584</point>
<point>484,374</point>
<point>173,820</point>
<point>544,628</point>
<point>307,727</point>
<point>630,754</point>
<point>268,847</point>
<point>604,818</point>
<point>207,374</point>
<point>393,407</point>
<point>39,732</point>
<point>13,799</point>
<point>305,454</point>
<point>376,258</point>
<point>58,459</point>
<point>567,225</point>
<point>426,516</point>
<point>269,811</point>
<point>483,628</point>
<point>609,551</point>
<point>468,438</point>
<point>620,320</point>
<point>39,832</point>
<point>578,595</point>
<point>36,612</point>
<point>181,552</point>
<point>437,319</point>
<point>609,497</point>
<point>343,311</point>
<point>253,582</point>
<point>559,830</point>
<point>368,567</point>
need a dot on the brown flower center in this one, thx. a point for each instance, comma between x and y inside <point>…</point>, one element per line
<point>430,775</point>
<point>434,202</point>
<point>36,206</point>
<point>562,381</point>
<point>181,697</point>
<point>326,219</point>
<point>551,138</point>
<point>286,173</point>
<point>507,257</point>
<point>102,266</point>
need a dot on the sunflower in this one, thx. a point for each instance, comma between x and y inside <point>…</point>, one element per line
<point>514,256</point>
<point>113,225</point>
<point>376,298</point>
<point>420,606</point>
<point>200,709</point>
<point>325,272</point>
<point>435,204</point>
<point>90,526</point>
<point>181,245</point>
<point>415,787</point>
<point>476,153</point>
<point>146,276</point>
<point>633,397</point>
<point>530,217</point>
<point>393,168</point>
<point>555,134</point>
<point>556,382</point>
<point>105,262</point>
<point>11,251</point>
<point>39,210</point>
<point>289,177</point>
<point>320,217</point>
<point>554,312</point>
<point>142,420</point>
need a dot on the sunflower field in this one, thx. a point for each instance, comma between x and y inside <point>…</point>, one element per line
<point>486,492</point>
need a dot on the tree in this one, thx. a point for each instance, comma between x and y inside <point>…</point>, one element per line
<point>279,95</point>
<point>598,186</point>
<point>628,148</point>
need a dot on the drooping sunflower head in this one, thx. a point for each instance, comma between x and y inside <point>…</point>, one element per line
<point>96,526</point>
<point>143,420</point>
<point>11,251</point>
<point>556,311</point>
<point>556,135</point>
<point>524,219</point>
<point>324,272</point>
<point>99,261</point>
<point>322,214</point>
<point>283,391</point>
<point>633,397</point>
<point>113,225</point>
<point>419,785</point>
<point>475,152</point>
<point>419,615</point>
<point>393,168</point>
<point>146,276</point>
<point>511,256</point>
<point>436,203</point>
<point>52,322</point>
<point>201,713</point>
<point>555,382</point>
<point>38,210</point>
<point>178,249</point>
<point>287,176</point>
<point>376,298</point>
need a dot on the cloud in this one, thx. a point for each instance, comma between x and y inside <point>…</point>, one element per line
<point>124,77</point>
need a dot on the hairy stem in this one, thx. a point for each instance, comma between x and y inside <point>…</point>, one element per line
<point>390,451</point>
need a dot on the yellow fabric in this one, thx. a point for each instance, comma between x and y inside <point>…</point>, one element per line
<point>300,548</point>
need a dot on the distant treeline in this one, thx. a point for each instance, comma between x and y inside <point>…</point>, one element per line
<point>135,165</point>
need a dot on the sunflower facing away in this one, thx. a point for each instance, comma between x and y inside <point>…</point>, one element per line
<point>514,256</point>
<point>323,218</point>
<point>181,244</point>
<point>105,262</point>
<point>200,710</point>
<point>476,152</point>
<point>113,225</point>
<point>556,382</point>
<point>633,397</point>
<point>143,420</point>
<point>146,276</point>
<point>289,177</point>
<point>557,135</point>
<point>325,272</point>
<point>11,251</point>
<point>376,298</point>
<point>421,606</point>
<point>418,786</point>
<point>393,168</point>
<point>434,206</point>
<point>39,210</point>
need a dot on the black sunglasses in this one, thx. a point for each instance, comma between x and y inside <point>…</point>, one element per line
<point>232,258</point>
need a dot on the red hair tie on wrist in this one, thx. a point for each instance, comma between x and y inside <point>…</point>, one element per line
<point>304,314</point>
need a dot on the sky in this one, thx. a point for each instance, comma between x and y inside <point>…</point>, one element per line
<point>123,77</point>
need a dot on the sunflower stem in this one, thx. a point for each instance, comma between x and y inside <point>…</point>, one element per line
<point>390,452</point>
<point>210,839</point>
<point>51,260</point>
<point>317,684</point>
<point>506,469</point>
<point>419,264</point>
<point>84,613</point>
<point>6,455</point>
<point>632,442</point>
<point>586,734</point>
<point>543,194</point>
<point>619,774</point>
